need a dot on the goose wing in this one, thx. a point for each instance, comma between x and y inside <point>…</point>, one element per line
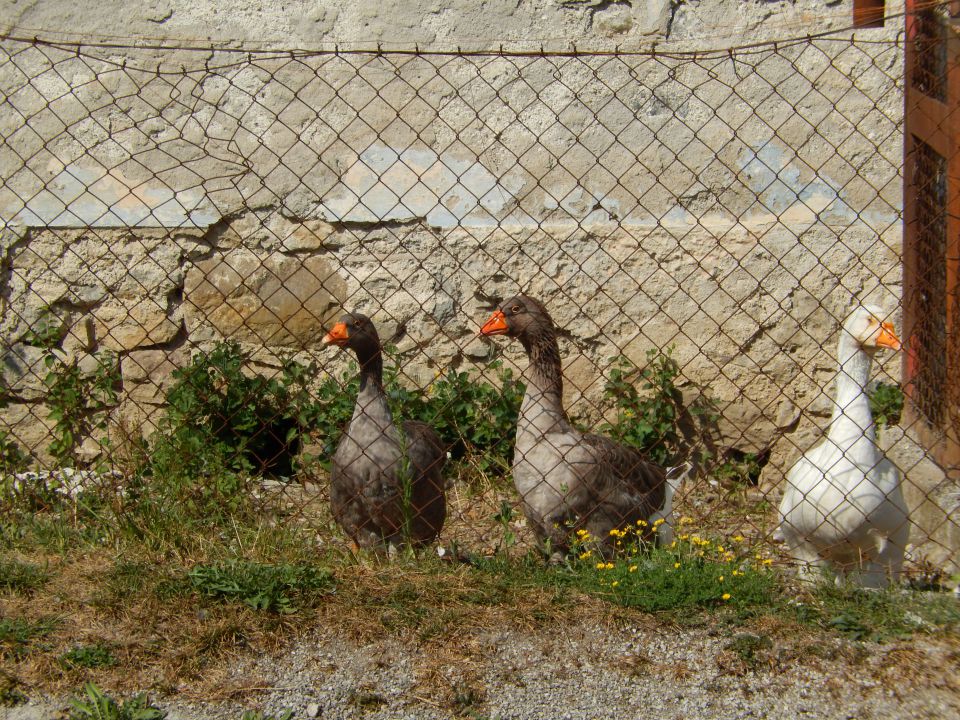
<point>623,482</point>
<point>427,457</point>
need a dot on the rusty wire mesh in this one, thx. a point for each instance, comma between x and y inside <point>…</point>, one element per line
<point>181,230</point>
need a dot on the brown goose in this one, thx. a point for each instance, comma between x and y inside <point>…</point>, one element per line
<point>569,480</point>
<point>367,494</point>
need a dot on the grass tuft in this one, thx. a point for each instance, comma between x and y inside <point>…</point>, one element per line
<point>22,577</point>
<point>271,588</point>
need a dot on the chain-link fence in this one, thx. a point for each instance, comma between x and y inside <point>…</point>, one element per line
<point>183,230</point>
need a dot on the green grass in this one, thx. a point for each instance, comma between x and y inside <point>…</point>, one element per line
<point>693,573</point>
<point>88,656</point>
<point>18,637</point>
<point>22,577</point>
<point>877,615</point>
<point>272,588</point>
<point>95,704</point>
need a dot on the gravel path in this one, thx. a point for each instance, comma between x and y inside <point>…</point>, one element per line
<point>582,672</point>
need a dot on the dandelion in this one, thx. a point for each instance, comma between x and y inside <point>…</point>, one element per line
<point>720,579</point>
<point>738,538</point>
<point>633,568</point>
<point>676,565</point>
<point>614,583</point>
<point>725,596</point>
<point>601,565</point>
<point>720,548</point>
<point>735,573</point>
<point>608,566</point>
<point>684,537</point>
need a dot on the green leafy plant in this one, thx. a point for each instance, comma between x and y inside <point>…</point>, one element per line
<point>218,416</point>
<point>652,420</point>
<point>886,403</point>
<point>272,588</point>
<point>475,418</point>
<point>97,705</point>
<point>88,656</point>
<point>77,399</point>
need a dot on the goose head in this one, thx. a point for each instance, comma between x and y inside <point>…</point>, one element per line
<point>355,332</point>
<point>869,328</point>
<point>520,317</point>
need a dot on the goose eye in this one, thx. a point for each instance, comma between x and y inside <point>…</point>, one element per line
<point>515,309</point>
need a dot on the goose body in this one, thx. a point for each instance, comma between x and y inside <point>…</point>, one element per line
<point>386,482</point>
<point>843,506</point>
<point>569,480</point>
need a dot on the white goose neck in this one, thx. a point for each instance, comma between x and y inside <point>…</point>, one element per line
<point>852,421</point>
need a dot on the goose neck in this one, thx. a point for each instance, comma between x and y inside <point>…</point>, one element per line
<point>544,375</point>
<point>852,419</point>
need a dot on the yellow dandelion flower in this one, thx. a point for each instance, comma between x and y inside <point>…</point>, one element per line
<point>720,548</point>
<point>614,583</point>
<point>614,532</point>
<point>608,566</point>
<point>673,544</point>
<point>633,568</point>
<point>720,579</point>
<point>601,565</point>
<point>676,565</point>
<point>684,537</point>
<point>738,538</point>
<point>725,596</point>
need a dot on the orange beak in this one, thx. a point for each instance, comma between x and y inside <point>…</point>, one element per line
<point>888,337</point>
<point>496,325</point>
<point>337,336</point>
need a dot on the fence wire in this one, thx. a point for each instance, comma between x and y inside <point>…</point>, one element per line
<point>186,242</point>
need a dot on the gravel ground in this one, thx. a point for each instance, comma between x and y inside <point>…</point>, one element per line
<point>620,671</point>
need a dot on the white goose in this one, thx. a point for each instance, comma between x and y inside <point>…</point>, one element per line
<point>843,506</point>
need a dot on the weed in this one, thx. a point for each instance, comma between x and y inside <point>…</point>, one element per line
<point>78,400</point>
<point>886,403</point>
<point>474,418</point>
<point>740,468</point>
<point>366,700</point>
<point>97,705</point>
<point>747,647</point>
<point>10,693</point>
<point>285,714</point>
<point>220,418</point>
<point>654,421</point>
<point>880,615</point>
<point>692,572</point>
<point>466,698</point>
<point>17,635</point>
<point>21,577</point>
<point>272,588</point>
<point>88,656</point>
